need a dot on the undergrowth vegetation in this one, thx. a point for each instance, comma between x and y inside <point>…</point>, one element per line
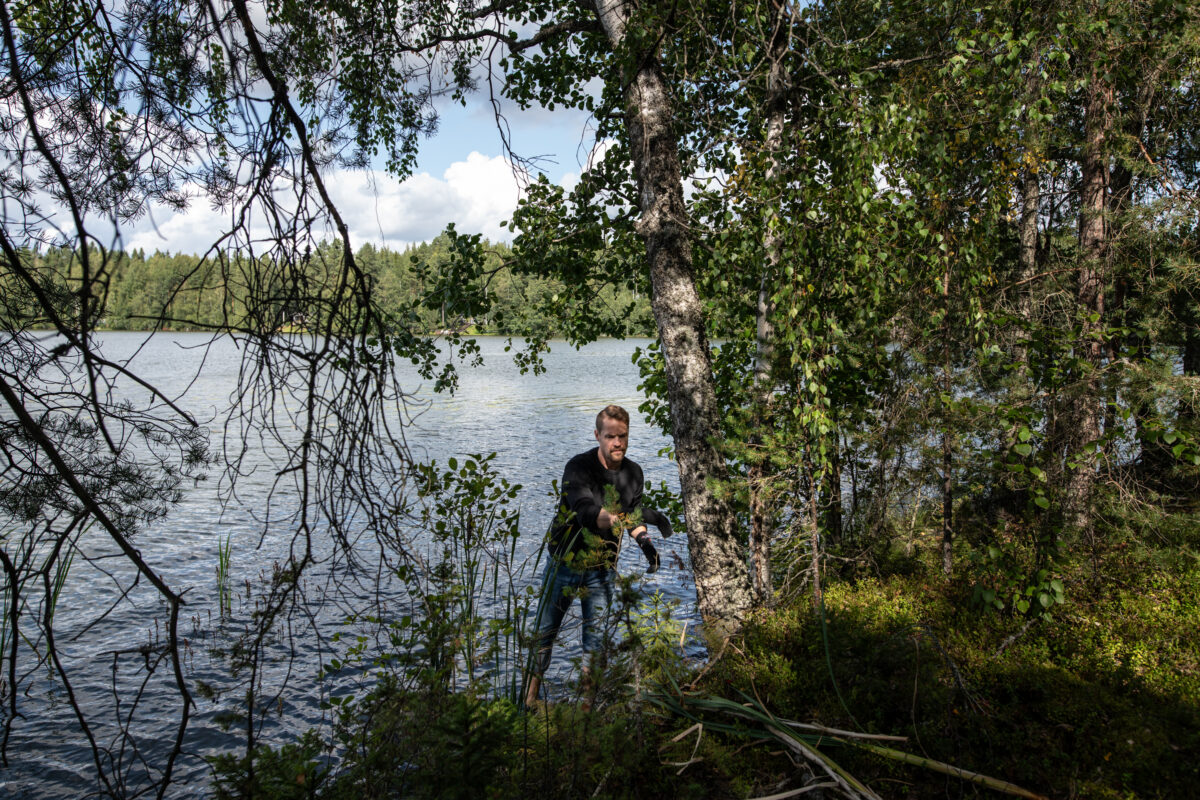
<point>1098,698</point>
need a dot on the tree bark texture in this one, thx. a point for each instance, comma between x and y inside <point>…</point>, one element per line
<point>718,562</point>
<point>1187,408</point>
<point>1085,421</point>
<point>1027,226</point>
<point>1027,258</point>
<point>764,384</point>
<point>947,445</point>
<point>1116,311</point>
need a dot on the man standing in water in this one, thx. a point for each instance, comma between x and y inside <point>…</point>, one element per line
<point>601,494</point>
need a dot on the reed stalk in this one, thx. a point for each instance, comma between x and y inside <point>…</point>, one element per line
<point>5,599</point>
<point>784,730</point>
<point>61,570</point>
<point>224,592</point>
<point>948,769</point>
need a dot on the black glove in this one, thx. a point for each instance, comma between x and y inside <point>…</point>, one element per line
<point>648,550</point>
<point>659,520</point>
<point>664,526</point>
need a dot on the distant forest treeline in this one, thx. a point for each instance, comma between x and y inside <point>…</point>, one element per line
<point>183,292</point>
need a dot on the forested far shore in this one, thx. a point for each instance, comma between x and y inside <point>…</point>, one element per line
<point>182,292</point>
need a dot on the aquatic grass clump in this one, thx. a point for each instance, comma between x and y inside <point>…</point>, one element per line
<point>224,592</point>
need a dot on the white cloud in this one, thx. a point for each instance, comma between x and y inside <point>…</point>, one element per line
<point>192,231</point>
<point>475,194</point>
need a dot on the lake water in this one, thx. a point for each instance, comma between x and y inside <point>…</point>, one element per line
<point>533,423</point>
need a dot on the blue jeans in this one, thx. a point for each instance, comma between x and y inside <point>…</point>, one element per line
<point>561,585</point>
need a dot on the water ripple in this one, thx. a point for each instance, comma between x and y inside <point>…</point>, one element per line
<point>533,423</point>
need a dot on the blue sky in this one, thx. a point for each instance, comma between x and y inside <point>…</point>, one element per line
<point>462,177</point>
<point>560,133</point>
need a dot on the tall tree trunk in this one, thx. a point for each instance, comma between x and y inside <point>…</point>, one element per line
<point>1191,344</point>
<point>722,583</point>
<point>833,491</point>
<point>947,446</point>
<point>814,530</point>
<point>764,384</point>
<point>1088,404</point>
<point>1027,262</point>
<point>1027,227</point>
<point>1117,313</point>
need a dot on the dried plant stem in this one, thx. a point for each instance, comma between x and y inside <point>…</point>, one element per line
<point>947,769</point>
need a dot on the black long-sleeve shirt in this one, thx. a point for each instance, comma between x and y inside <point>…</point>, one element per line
<point>575,537</point>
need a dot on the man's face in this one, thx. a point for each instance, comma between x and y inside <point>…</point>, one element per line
<point>613,437</point>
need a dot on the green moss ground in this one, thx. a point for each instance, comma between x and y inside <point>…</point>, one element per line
<point>1100,700</point>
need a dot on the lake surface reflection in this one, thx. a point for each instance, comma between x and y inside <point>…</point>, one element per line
<point>532,423</point>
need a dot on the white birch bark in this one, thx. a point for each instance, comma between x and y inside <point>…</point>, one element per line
<point>718,561</point>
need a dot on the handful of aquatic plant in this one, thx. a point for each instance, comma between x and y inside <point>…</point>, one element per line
<point>622,522</point>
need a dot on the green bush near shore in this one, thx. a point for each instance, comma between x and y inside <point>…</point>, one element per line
<point>1100,699</point>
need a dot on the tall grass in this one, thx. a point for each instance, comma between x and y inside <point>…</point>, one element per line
<point>224,592</point>
<point>470,511</point>
<point>62,568</point>
<point>6,590</point>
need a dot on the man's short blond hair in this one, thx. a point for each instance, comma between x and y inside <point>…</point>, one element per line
<point>612,412</point>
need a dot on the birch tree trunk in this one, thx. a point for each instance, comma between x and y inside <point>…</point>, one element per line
<point>722,581</point>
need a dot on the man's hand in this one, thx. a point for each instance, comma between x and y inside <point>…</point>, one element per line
<point>605,520</point>
<point>658,519</point>
<point>664,526</point>
<point>643,540</point>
